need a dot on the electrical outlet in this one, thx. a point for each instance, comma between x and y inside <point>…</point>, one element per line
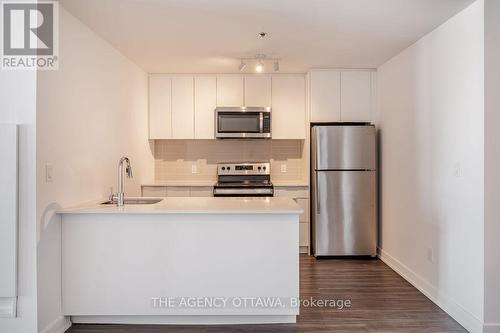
<point>49,173</point>
<point>194,169</point>
<point>430,254</point>
<point>283,168</point>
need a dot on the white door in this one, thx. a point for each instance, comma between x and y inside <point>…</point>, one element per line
<point>288,107</point>
<point>356,96</point>
<point>325,95</point>
<point>230,90</point>
<point>205,101</point>
<point>258,90</point>
<point>182,107</point>
<point>160,107</point>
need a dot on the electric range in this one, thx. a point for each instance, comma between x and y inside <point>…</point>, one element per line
<point>244,180</point>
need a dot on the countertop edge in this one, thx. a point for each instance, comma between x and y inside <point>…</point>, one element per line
<point>94,207</point>
<point>201,184</point>
<point>84,211</point>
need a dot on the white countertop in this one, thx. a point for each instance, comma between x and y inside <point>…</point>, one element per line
<point>195,205</point>
<point>203,183</point>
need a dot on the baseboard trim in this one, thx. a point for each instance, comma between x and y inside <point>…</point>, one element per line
<point>491,328</point>
<point>451,307</point>
<point>60,325</point>
<point>187,320</point>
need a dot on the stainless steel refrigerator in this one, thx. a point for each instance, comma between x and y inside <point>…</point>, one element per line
<point>343,190</point>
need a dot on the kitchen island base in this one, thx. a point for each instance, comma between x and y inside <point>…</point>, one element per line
<point>117,265</point>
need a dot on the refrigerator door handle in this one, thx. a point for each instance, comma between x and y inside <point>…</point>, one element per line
<point>318,208</point>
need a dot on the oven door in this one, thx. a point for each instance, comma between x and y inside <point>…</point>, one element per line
<point>242,124</point>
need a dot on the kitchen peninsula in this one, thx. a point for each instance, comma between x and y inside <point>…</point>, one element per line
<point>140,263</point>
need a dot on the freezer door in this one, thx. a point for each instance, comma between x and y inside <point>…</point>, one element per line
<point>343,147</point>
<point>344,213</point>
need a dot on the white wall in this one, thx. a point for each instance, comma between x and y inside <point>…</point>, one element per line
<point>18,105</point>
<point>492,165</point>
<point>92,111</point>
<point>430,100</point>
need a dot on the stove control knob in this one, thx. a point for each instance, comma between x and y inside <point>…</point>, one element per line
<point>228,168</point>
<point>223,168</point>
<point>259,168</point>
<point>264,168</point>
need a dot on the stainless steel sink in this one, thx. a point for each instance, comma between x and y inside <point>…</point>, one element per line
<point>135,201</point>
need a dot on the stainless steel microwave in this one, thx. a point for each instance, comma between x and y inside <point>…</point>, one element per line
<point>243,123</point>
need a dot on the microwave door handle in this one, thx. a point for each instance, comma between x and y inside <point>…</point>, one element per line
<point>261,122</point>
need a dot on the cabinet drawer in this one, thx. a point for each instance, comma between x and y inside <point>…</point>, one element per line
<point>304,234</point>
<point>178,191</point>
<point>304,204</point>
<point>154,191</point>
<point>292,191</point>
<point>202,191</point>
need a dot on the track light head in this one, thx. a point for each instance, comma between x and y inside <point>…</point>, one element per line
<point>259,67</point>
<point>276,66</point>
<point>242,66</point>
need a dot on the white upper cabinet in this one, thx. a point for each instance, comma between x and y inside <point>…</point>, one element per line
<point>340,95</point>
<point>356,91</point>
<point>230,90</point>
<point>324,95</point>
<point>258,90</point>
<point>288,107</point>
<point>205,101</point>
<point>160,107</point>
<point>182,107</point>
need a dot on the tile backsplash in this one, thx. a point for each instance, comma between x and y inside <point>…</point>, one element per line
<point>174,159</point>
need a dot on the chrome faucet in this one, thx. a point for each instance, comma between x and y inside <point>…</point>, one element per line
<point>119,197</point>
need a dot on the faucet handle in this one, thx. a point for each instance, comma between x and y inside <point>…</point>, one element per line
<point>129,171</point>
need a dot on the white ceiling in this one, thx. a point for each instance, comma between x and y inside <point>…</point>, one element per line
<point>203,36</point>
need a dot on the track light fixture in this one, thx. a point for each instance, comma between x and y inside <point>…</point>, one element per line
<point>259,60</point>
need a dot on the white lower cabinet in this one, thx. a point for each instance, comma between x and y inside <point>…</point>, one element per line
<point>304,234</point>
<point>177,191</point>
<point>202,191</point>
<point>301,195</point>
<point>154,191</point>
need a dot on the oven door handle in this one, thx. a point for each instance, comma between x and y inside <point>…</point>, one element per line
<point>231,191</point>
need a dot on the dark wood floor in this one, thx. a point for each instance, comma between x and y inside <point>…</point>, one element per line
<point>382,301</point>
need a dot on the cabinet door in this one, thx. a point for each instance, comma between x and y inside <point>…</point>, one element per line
<point>304,204</point>
<point>205,100</point>
<point>258,90</point>
<point>229,90</point>
<point>182,107</point>
<point>356,91</point>
<point>303,234</point>
<point>154,191</point>
<point>288,107</point>
<point>325,96</point>
<point>178,191</point>
<point>160,107</point>
<point>201,191</point>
